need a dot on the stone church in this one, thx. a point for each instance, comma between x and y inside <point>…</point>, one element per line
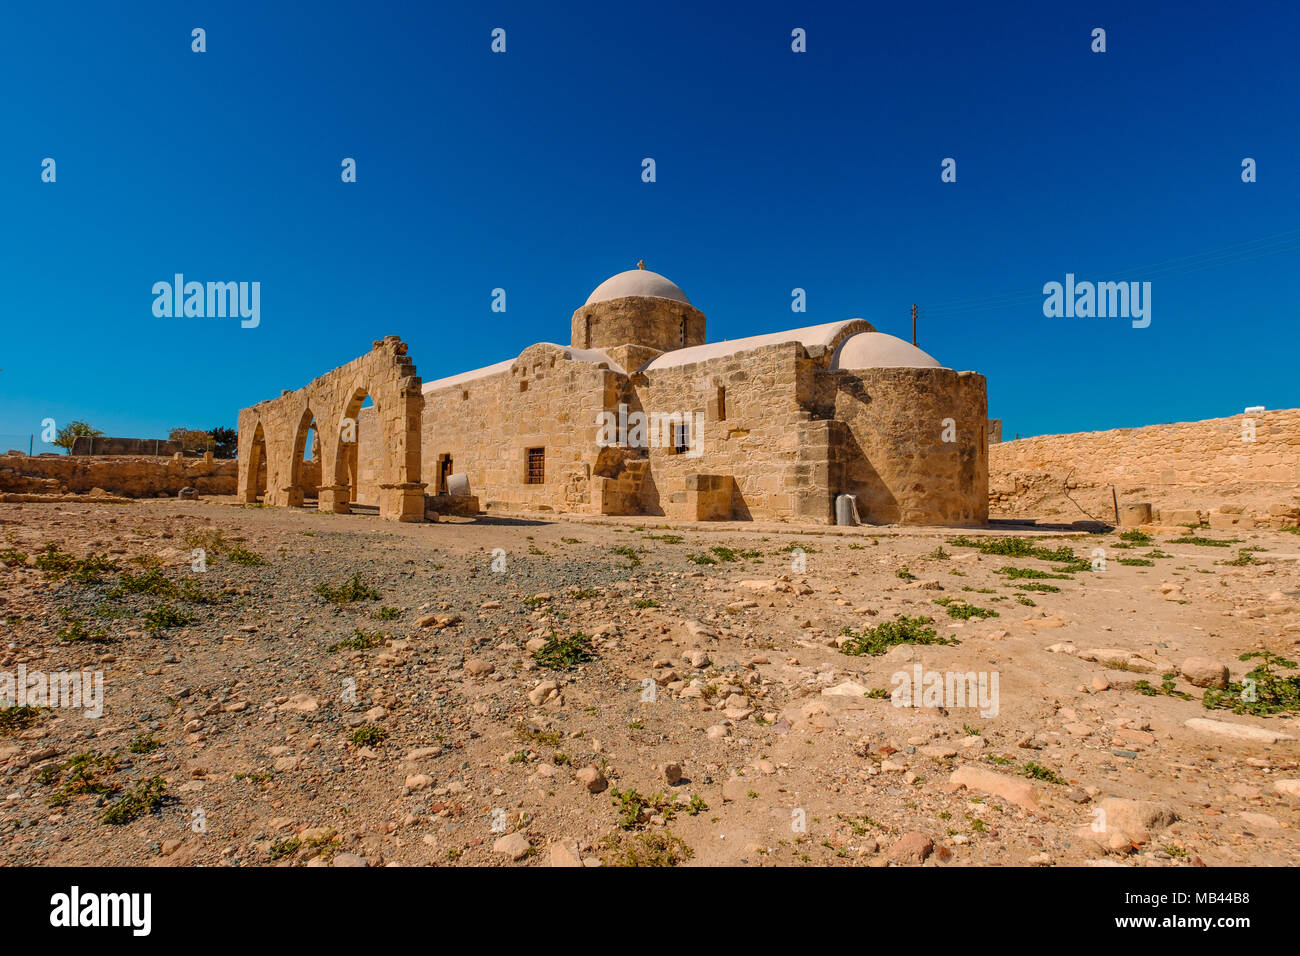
<point>638,415</point>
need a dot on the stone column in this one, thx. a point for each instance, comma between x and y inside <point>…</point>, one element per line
<point>402,501</point>
<point>334,498</point>
<point>401,493</point>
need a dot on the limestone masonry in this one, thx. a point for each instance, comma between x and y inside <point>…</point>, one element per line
<point>1242,471</point>
<point>638,415</point>
<point>45,475</point>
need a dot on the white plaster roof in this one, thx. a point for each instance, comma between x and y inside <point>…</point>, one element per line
<point>641,282</point>
<point>464,377</point>
<point>878,350</point>
<point>809,336</point>
<point>594,356</point>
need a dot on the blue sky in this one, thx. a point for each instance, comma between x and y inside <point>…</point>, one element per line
<point>522,170</point>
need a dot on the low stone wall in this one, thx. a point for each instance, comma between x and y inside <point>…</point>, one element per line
<point>460,506</point>
<point>101,445</point>
<point>127,476</point>
<point>1244,465</point>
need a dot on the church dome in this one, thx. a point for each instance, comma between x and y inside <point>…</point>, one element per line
<point>878,350</point>
<point>638,282</point>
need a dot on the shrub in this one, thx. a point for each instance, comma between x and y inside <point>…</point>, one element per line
<point>645,849</point>
<point>350,591</point>
<point>879,639</point>
<point>359,641</point>
<point>962,611</point>
<point>1037,771</point>
<point>368,736</point>
<point>18,718</point>
<point>165,616</point>
<point>147,797</point>
<point>1266,693</point>
<point>564,653</point>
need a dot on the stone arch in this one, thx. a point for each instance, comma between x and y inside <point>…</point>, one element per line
<point>346,471</point>
<point>389,377</point>
<point>252,465</point>
<point>306,421</point>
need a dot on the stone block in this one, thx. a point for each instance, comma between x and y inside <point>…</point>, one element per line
<point>1134,514</point>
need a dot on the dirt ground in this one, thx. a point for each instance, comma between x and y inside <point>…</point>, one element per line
<point>337,690</point>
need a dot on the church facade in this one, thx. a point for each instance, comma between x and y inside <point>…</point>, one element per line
<point>639,415</point>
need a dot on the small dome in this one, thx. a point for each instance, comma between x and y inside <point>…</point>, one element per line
<point>640,282</point>
<point>878,350</point>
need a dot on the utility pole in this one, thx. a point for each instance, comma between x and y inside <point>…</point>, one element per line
<point>913,323</point>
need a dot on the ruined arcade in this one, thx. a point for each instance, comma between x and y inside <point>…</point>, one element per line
<point>273,436</point>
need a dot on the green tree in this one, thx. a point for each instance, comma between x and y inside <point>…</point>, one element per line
<point>191,439</point>
<point>70,432</point>
<point>225,441</point>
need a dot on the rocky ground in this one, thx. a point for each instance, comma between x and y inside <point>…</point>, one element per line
<point>336,690</point>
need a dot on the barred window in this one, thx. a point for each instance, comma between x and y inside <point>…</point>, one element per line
<point>536,466</point>
<point>681,438</point>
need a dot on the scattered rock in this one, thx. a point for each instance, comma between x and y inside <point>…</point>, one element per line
<point>300,704</point>
<point>1205,672</point>
<point>1290,788</point>
<point>512,845</point>
<point>564,853</point>
<point>911,847</point>
<point>1223,728</point>
<point>547,690</point>
<point>591,778</point>
<point>1011,789</point>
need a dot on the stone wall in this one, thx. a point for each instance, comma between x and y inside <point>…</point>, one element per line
<point>486,425</point>
<point>756,430</point>
<point>138,447</point>
<point>892,451</point>
<point>661,324</point>
<point>127,476</point>
<point>1202,465</point>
